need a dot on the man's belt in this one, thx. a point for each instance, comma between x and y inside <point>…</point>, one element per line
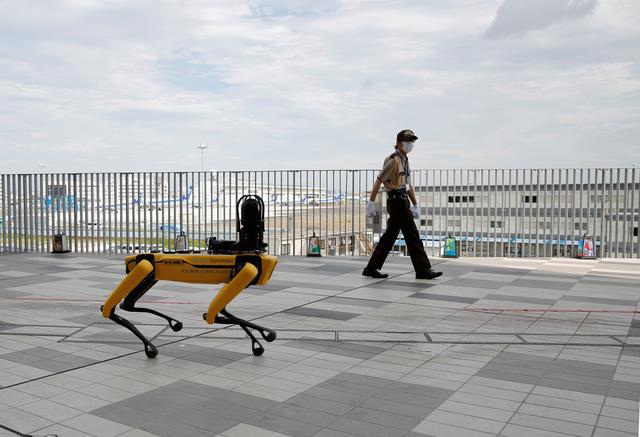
<point>397,194</point>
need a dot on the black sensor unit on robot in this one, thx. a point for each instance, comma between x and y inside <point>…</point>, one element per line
<point>249,226</point>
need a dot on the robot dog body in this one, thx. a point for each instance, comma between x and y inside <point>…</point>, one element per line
<point>240,265</point>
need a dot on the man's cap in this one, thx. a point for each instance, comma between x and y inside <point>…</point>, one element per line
<point>406,135</point>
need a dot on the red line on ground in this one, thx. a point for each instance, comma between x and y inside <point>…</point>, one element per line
<point>540,310</point>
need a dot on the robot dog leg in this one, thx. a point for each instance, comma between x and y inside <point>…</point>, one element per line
<point>130,300</point>
<point>141,274</point>
<point>218,306</point>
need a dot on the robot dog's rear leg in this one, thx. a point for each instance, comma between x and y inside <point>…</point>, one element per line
<point>141,274</point>
<point>129,302</point>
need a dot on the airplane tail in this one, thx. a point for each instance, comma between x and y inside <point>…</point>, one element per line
<point>189,193</point>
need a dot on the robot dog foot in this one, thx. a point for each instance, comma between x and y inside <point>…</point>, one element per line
<point>267,334</point>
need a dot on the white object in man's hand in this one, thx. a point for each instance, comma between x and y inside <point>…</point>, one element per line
<point>415,210</point>
<point>371,209</point>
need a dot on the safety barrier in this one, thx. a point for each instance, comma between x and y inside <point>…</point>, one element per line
<point>490,212</point>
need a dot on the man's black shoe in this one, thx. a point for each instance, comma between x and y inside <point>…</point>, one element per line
<point>428,274</point>
<point>374,273</point>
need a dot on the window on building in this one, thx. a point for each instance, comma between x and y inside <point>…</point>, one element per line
<point>544,225</point>
<point>461,199</point>
<point>427,222</point>
<point>496,223</point>
<point>635,231</point>
<point>454,224</point>
<point>285,249</point>
<point>580,226</point>
<point>531,199</point>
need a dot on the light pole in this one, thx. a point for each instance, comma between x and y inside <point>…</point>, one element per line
<point>202,148</point>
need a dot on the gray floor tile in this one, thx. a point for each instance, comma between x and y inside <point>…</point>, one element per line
<point>502,271</point>
<point>401,285</point>
<point>320,404</point>
<point>444,297</point>
<point>384,418</point>
<point>548,285</point>
<point>598,300</point>
<point>365,429</point>
<point>325,314</point>
<point>284,425</point>
<point>476,283</point>
<point>527,299</point>
<point>168,427</point>
<point>356,302</point>
<point>302,414</point>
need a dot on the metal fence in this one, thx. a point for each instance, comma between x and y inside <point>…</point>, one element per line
<point>490,212</point>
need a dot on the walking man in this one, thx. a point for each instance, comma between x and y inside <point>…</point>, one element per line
<point>396,178</point>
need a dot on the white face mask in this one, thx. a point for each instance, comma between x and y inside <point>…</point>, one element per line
<point>407,146</point>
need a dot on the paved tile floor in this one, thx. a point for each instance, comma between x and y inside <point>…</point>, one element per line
<point>545,347</point>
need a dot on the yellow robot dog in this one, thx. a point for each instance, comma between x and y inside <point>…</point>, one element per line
<point>238,264</point>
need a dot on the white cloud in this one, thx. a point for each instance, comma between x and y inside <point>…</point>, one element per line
<point>516,17</point>
<point>270,84</point>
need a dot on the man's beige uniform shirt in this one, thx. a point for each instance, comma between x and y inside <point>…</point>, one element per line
<point>395,173</point>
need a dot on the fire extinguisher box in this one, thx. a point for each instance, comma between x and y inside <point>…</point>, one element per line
<point>451,247</point>
<point>586,248</point>
<point>313,246</point>
<point>60,243</point>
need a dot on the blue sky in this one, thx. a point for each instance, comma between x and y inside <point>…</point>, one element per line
<point>91,85</point>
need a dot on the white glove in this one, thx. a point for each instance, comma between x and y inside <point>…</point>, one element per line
<point>415,210</point>
<point>371,209</point>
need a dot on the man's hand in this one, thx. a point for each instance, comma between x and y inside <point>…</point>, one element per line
<point>415,210</point>
<point>371,209</point>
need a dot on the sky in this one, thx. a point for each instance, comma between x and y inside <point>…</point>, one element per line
<point>127,85</point>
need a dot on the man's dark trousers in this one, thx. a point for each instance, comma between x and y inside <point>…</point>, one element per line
<point>400,219</point>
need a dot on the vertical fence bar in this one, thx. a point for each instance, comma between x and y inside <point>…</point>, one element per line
<point>537,222</point>
<point>599,210</point>
<point>589,217</point>
<point>528,190</point>
<point>47,209</point>
<point>624,212</point>
<point>28,229</point>
<point>484,214</point>
<point>468,216</point>
<point>557,212</point>
<point>616,238</point>
<point>41,211</point>
<point>106,215</point>
<point>475,212</point>
<point>634,217</point>
<point>494,188</point>
<point>548,217</point>
<point>37,212</point>
<point>573,213</point>
<point>5,216</point>
<point>12,215</point>
<point>22,206</point>
<point>444,188</point>
<point>30,210</point>
<point>510,217</point>
<point>583,229</point>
